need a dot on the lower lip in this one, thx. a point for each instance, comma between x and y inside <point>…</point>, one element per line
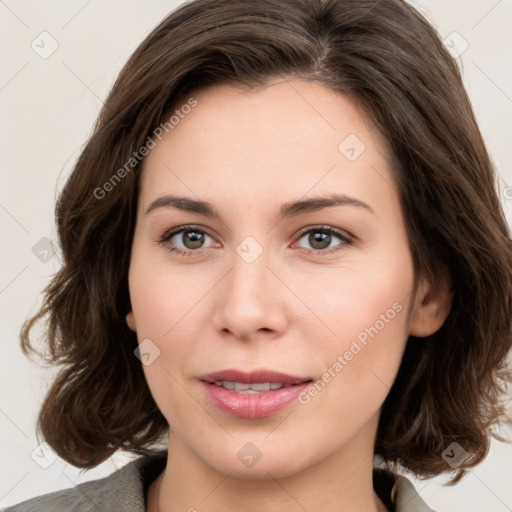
<point>260,405</point>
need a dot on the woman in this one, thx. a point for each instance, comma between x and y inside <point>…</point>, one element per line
<point>283,252</point>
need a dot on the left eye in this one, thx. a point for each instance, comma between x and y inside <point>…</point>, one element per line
<point>321,238</point>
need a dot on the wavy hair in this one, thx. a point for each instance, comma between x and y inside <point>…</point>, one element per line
<point>390,62</point>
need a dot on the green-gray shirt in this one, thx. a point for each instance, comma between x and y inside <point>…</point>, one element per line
<point>125,490</point>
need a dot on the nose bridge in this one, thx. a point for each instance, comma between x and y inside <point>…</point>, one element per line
<point>249,275</point>
<point>250,298</point>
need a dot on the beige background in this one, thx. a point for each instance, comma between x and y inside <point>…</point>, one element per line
<point>48,104</point>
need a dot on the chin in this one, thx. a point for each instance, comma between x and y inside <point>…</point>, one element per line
<point>245,460</point>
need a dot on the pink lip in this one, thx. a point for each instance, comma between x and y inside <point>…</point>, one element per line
<point>253,406</point>
<point>254,376</point>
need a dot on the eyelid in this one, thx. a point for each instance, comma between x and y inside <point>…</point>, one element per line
<point>184,227</point>
<point>326,227</point>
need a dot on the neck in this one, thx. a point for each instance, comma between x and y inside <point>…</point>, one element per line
<point>334,484</point>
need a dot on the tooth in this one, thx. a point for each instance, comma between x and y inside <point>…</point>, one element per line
<point>260,386</point>
<point>240,386</point>
<point>256,387</point>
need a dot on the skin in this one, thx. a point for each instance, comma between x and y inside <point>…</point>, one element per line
<point>292,309</point>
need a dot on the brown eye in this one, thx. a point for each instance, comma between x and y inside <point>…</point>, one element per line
<point>321,239</point>
<point>185,240</point>
<point>192,239</point>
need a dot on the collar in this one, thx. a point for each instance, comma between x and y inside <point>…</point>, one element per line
<point>396,491</point>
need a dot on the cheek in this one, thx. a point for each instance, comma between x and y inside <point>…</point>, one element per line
<point>162,296</point>
<point>360,363</point>
<point>166,309</point>
<point>363,309</point>
<point>349,300</point>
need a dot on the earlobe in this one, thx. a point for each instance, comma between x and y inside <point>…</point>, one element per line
<point>431,307</point>
<point>130,320</point>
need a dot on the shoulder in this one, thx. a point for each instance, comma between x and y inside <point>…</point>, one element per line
<point>125,489</point>
<point>397,492</point>
<point>406,497</point>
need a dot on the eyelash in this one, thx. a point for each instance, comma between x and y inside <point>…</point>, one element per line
<point>347,241</point>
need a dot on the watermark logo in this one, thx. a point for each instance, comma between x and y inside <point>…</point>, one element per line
<point>249,454</point>
<point>351,147</point>
<point>44,45</point>
<point>249,249</point>
<point>455,44</point>
<point>147,352</point>
<point>454,455</point>
<point>44,250</point>
<point>43,455</point>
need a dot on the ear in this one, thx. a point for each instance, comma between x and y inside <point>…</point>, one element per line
<point>431,306</point>
<point>130,320</point>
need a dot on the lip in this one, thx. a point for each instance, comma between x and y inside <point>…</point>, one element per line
<point>261,375</point>
<point>253,406</point>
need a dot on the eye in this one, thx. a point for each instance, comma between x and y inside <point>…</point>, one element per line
<point>185,240</point>
<point>321,238</point>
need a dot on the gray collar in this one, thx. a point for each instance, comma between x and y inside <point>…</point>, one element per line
<point>126,489</point>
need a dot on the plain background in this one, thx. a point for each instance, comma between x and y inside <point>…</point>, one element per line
<point>49,103</point>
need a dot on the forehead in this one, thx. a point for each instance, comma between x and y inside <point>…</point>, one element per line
<point>290,136</point>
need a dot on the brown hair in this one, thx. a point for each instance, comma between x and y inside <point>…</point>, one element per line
<point>390,62</point>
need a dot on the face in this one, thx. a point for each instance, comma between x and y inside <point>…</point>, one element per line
<point>272,277</point>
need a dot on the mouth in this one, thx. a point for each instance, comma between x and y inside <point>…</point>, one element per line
<point>257,381</point>
<point>254,388</point>
<point>255,394</point>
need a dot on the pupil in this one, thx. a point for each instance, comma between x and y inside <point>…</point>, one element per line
<point>194,239</point>
<point>323,238</point>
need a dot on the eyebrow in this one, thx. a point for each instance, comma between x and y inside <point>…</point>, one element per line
<point>287,210</point>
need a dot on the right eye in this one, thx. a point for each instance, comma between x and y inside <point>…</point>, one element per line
<point>185,240</point>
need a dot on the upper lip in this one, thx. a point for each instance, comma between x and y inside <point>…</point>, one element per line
<point>262,375</point>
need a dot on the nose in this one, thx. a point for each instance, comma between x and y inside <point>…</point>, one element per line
<point>251,300</point>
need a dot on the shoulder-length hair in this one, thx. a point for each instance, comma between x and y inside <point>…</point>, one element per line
<point>386,58</point>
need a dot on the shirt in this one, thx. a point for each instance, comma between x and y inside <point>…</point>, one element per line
<point>125,490</point>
